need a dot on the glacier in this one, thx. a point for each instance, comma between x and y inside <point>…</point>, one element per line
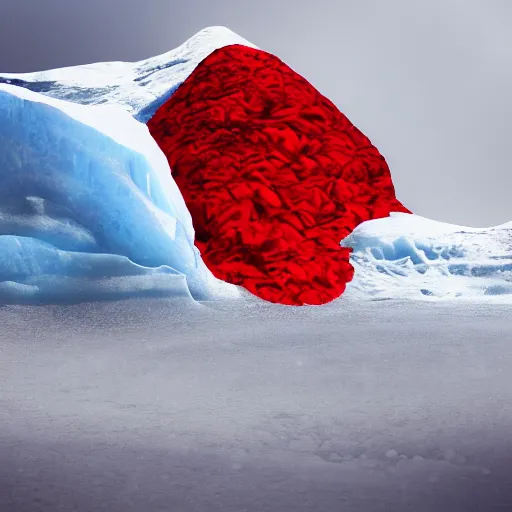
<point>89,209</point>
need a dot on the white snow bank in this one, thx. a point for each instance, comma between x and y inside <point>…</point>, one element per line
<point>139,87</point>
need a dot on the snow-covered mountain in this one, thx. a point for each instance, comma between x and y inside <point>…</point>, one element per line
<point>89,209</point>
<point>140,87</point>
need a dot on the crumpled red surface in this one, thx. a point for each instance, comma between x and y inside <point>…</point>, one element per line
<point>274,175</point>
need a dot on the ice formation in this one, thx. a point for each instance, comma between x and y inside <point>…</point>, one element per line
<point>88,206</point>
<point>408,256</point>
<point>89,210</point>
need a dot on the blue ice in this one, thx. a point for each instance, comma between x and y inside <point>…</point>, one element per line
<point>82,214</point>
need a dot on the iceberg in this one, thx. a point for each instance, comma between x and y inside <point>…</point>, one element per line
<point>88,207</point>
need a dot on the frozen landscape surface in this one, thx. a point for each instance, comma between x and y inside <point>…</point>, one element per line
<point>170,405</point>
<point>408,256</point>
<point>139,87</point>
<point>89,209</point>
<point>228,405</point>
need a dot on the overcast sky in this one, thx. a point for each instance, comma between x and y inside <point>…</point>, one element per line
<point>429,81</point>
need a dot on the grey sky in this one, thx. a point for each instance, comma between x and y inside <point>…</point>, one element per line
<point>428,81</point>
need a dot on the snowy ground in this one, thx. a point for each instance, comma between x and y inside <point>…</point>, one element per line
<point>160,405</point>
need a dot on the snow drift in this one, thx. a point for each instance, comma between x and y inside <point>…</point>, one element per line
<point>408,256</point>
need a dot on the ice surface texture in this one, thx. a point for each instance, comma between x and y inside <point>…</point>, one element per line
<point>273,174</point>
<point>408,256</point>
<point>88,206</point>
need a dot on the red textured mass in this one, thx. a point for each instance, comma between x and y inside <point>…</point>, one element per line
<point>274,175</point>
